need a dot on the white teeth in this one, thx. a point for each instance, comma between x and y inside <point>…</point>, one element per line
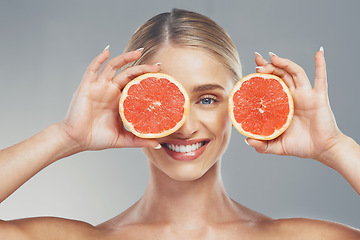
<point>182,148</point>
<point>185,148</point>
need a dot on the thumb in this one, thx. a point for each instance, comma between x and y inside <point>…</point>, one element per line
<point>259,145</point>
<point>141,142</point>
<point>130,140</point>
<point>266,146</point>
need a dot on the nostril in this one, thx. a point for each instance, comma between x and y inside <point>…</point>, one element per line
<point>186,131</point>
<point>190,126</point>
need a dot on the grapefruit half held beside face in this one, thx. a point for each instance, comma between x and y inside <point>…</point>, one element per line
<point>261,106</point>
<point>153,105</point>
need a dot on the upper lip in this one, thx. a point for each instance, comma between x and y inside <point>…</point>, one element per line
<point>185,142</point>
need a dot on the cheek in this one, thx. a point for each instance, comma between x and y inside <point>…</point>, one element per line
<point>217,121</point>
<point>154,157</point>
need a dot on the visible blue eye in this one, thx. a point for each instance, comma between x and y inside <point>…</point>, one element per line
<point>208,100</point>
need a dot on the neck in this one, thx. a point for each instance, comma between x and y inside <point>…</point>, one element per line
<point>186,203</point>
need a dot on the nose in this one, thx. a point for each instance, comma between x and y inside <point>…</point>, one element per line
<point>190,127</point>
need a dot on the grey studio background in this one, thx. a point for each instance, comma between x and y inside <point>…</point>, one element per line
<point>45,47</point>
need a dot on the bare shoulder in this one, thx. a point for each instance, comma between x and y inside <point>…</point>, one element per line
<point>304,228</point>
<point>264,227</point>
<point>47,228</point>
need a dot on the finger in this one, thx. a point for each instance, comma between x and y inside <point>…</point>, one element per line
<point>130,140</point>
<point>263,146</point>
<point>320,84</point>
<point>260,146</point>
<point>298,74</point>
<point>130,73</point>
<point>259,60</point>
<point>284,75</point>
<point>113,65</point>
<point>93,68</point>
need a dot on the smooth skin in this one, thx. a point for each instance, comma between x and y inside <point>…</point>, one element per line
<point>178,205</point>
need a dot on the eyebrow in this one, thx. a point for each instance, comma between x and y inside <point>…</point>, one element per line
<point>206,87</point>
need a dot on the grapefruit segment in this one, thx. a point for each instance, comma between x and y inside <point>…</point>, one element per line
<point>153,105</point>
<point>261,106</point>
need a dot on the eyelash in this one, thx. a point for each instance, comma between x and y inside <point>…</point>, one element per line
<point>213,99</point>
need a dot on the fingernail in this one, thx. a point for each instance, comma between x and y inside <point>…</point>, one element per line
<point>159,64</point>
<point>259,67</point>
<point>271,54</point>
<point>157,147</point>
<point>258,54</point>
<point>321,49</point>
<point>246,142</point>
<point>140,49</point>
<point>107,48</point>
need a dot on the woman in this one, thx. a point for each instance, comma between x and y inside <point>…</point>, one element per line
<point>184,199</point>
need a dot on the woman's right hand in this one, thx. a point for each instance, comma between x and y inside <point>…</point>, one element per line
<point>93,121</point>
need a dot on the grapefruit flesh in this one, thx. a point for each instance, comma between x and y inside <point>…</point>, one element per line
<point>261,106</point>
<point>153,105</point>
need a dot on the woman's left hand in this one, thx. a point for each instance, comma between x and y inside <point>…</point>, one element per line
<point>313,131</point>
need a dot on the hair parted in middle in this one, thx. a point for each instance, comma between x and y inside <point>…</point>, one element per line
<point>182,28</point>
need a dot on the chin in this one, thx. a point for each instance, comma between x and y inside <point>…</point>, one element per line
<point>185,176</point>
<point>183,167</point>
<point>183,172</point>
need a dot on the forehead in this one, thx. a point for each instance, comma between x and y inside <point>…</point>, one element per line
<point>193,67</point>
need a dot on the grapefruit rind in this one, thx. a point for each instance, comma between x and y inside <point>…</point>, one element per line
<point>238,126</point>
<point>137,80</point>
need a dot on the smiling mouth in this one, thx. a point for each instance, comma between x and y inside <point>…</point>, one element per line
<point>185,148</point>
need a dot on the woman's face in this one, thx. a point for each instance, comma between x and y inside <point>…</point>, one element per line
<point>191,151</point>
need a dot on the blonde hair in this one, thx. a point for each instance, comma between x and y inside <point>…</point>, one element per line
<point>185,29</point>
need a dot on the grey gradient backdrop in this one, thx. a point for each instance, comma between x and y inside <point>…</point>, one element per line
<point>45,47</point>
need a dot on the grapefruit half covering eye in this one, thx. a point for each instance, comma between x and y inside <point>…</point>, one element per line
<point>153,105</point>
<point>261,106</point>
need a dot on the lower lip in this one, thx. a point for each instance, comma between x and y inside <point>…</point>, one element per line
<point>187,156</point>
